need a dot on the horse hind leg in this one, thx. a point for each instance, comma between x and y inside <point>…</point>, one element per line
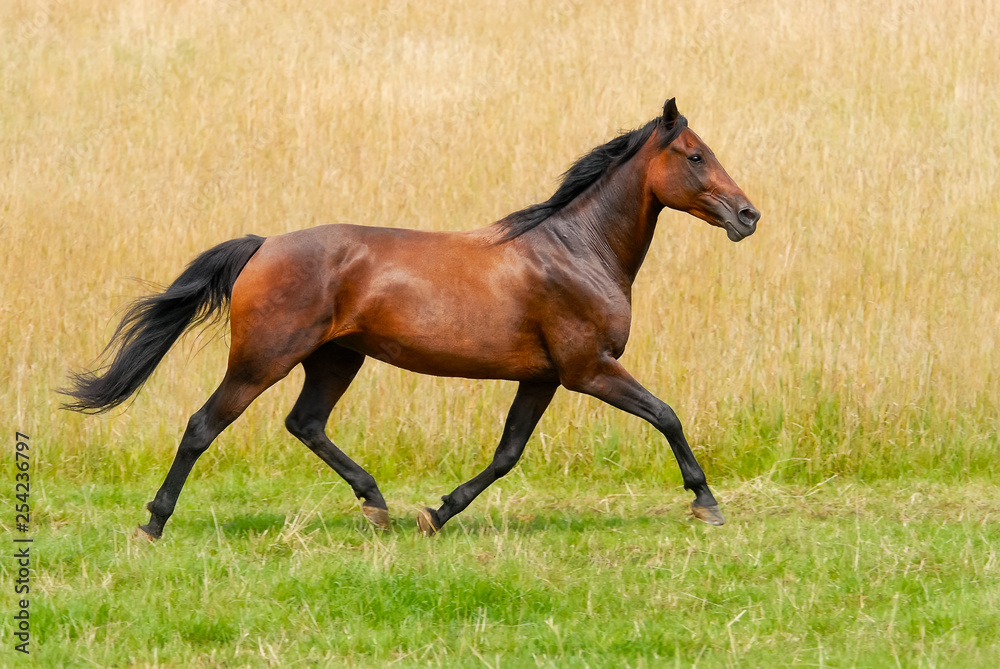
<point>237,390</point>
<point>329,371</point>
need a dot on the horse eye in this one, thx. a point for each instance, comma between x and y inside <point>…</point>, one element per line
<point>695,158</point>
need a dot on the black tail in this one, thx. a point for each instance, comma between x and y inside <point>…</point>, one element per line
<point>152,324</point>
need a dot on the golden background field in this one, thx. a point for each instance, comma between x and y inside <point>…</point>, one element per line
<point>855,332</point>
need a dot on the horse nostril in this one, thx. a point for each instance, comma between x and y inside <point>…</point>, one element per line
<point>749,216</point>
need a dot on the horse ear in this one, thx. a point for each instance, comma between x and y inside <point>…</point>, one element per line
<point>670,113</point>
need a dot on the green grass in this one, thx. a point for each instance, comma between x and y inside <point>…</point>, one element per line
<point>280,570</point>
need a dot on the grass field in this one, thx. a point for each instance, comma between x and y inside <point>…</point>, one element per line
<point>837,373</point>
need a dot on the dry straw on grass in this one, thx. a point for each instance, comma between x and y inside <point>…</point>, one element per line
<point>858,326</point>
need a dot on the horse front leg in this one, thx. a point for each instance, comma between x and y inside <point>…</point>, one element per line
<point>529,404</point>
<point>607,380</point>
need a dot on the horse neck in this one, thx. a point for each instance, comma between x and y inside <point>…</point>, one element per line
<point>616,218</point>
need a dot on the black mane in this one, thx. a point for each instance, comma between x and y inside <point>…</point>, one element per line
<point>585,172</point>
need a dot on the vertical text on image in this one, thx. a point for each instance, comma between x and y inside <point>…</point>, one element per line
<point>22,548</point>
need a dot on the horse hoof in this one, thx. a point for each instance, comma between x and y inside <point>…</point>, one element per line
<point>425,522</point>
<point>141,533</point>
<point>708,514</point>
<point>377,517</point>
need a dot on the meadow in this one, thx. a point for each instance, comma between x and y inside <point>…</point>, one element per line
<point>837,373</point>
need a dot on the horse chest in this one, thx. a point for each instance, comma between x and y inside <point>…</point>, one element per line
<point>618,325</point>
<point>600,319</point>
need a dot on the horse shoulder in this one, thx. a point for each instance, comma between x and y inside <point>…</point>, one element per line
<point>585,305</point>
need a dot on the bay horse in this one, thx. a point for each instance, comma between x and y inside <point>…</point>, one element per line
<point>541,297</point>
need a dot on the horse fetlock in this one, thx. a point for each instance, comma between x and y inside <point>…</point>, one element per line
<point>160,511</point>
<point>696,483</point>
<point>366,488</point>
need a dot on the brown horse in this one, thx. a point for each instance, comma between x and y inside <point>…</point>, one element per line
<point>542,297</point>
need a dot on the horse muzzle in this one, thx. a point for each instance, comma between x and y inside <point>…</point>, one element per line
<point>744,225</point>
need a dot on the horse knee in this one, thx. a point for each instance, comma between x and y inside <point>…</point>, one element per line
<point>667,421</point>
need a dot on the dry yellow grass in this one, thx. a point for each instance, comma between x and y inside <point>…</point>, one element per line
<point>134,135</point>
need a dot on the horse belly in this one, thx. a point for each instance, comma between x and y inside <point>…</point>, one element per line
<point>467,364</point>
<point>448,333</point>
<point>451,351</point>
